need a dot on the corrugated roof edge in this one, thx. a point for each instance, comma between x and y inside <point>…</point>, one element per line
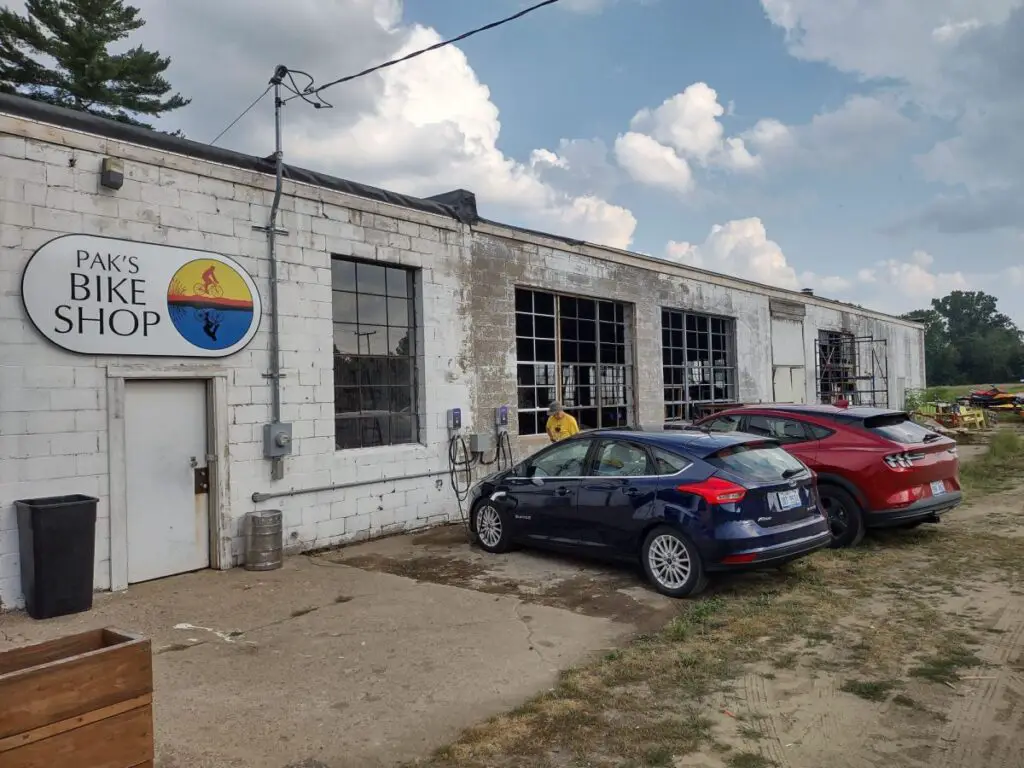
<point>656,262</point>
<point>458,204</point>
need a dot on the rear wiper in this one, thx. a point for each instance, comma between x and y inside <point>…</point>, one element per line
<point>791,473</point>
<point>931,437</point>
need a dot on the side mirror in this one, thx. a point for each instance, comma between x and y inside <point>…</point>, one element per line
<point>537,481</point>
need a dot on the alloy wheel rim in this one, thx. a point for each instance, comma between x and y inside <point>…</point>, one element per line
<point>488,526</point>
<point>669,561</point>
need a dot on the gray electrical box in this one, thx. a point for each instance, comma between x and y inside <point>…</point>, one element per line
<point>277,440</point>
<point>482,442</point>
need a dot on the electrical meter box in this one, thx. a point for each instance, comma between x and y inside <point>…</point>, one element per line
<point>482,442</point>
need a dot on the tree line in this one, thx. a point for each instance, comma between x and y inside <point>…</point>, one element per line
<point>969,341</point>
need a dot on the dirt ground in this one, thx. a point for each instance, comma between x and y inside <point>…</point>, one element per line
<point>327,665</point>
<point>905,652</point>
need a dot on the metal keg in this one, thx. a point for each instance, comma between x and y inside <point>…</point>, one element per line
<point>264,540</point>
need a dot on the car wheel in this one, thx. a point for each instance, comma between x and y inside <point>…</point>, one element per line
<point>844,515</point>
<point>672,563</point>
<point>491,527</point>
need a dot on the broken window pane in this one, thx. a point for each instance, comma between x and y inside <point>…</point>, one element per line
<point>699,369</point>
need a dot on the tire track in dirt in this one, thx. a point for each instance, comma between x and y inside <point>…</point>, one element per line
<point>986,722</point>
<point>765,708</point>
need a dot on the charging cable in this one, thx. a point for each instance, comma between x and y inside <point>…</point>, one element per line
<point>460,473</point>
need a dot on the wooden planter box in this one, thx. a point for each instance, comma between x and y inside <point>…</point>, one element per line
<point>82,701</point>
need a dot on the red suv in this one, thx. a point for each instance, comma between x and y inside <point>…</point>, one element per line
<point>876,467</point>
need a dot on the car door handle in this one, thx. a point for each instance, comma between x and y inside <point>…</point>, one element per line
<point>631,491</point>
<point>563,491</point>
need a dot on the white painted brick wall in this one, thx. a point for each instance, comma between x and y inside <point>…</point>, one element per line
<point>53,405</point>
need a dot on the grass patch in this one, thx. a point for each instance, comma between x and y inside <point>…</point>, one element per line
<point>871,690</point>
<point>951,393</point>
<point>749,760</point>
<point>998,469</point>
<point>659,757</point>
<point>943,666</point>
<point>751,732</point>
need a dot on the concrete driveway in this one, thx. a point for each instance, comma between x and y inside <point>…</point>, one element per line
<point>368,656</point>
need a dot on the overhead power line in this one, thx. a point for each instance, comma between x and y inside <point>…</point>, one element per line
<point>311,94</point>
<point>246,111</point>
<point>311,91</point>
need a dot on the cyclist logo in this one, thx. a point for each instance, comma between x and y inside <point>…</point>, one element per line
<point>210,304</point>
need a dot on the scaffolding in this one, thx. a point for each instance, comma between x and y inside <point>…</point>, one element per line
<point>853,368</point>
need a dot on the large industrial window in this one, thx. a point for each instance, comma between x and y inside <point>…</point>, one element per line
<point>574,351</point>
<point>374,354</point>
<point>698,361</point>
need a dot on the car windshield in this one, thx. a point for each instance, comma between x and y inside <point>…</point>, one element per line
<point>900,429</point>
<point>761,462</point>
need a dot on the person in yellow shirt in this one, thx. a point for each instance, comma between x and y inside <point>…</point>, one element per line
<point>560,424</point>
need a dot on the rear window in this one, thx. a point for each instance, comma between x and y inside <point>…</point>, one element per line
<point>900,429</point>
<point>757,461</point>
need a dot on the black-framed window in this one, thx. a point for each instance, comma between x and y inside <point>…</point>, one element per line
<point>698,362</point>
<point>374,354</point>
<point>837,365</point>
<point>573,350</point>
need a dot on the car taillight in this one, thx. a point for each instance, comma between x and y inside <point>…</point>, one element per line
<point>904,460</point>
<point>715,490</point>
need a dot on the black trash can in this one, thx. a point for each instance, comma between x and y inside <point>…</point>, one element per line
<point>58,546</point>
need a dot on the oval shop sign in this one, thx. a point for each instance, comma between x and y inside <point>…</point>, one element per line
<point>104,296</point>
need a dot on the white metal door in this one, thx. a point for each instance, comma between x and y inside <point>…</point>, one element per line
<point>790,384</point>
<point>799,381</point>
<point>787,342</point>
<point>789,379</point>
<point>165,442</point>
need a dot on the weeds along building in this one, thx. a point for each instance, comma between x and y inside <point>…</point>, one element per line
<point>137,332</point>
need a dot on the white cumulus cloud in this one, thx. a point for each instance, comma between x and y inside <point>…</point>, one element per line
<point>861,128</point>
<point>421,128</point>
<point>740,248</point>
<point>652,163</point>
<point>689,123</point>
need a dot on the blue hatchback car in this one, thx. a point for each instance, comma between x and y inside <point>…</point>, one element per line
<point>685,504</point>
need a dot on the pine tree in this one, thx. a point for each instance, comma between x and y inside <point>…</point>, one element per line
<point>76,36</point>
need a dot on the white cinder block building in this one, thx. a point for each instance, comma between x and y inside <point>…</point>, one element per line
<point>136,344</point>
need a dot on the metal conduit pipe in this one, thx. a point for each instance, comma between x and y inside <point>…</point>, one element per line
<point>257,497</point>
<point>277,436</point>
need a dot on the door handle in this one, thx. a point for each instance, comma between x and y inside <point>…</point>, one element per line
<point>631,491</point>
<point>563,491</point>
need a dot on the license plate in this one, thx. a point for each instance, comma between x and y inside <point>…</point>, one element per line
<point>789,499</point>
<point>938,487</point>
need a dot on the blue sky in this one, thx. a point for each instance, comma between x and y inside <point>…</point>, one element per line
<point>872,150</point>
<point>559,74</point>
